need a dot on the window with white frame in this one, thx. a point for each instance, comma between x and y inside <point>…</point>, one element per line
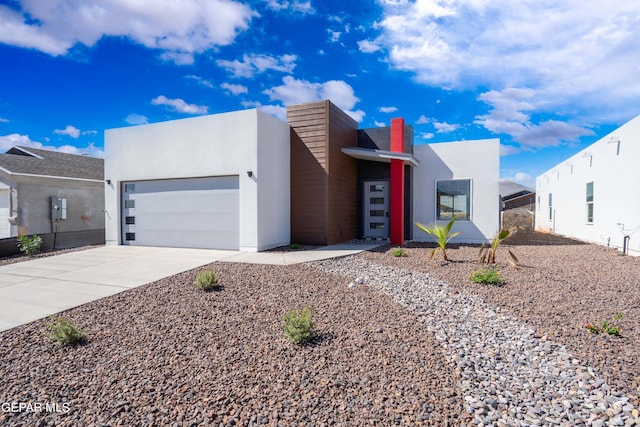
<point>453,199</point>
<point>550,206</point>
<point>590,202</point>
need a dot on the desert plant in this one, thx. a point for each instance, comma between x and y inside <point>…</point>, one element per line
<point>608,326</point>
<point>441,235</point>
<point>398,252</point>
<point>487,276</point>
<point>64,332</point>
<point>29,245</point>
<point>298,325</point>
<point>488,253</point>
<point>207,281</point>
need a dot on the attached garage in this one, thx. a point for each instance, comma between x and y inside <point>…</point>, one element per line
<point>187,212</point>
<point>216,182</point>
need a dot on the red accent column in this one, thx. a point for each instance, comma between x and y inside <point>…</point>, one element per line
<point>396,225</point>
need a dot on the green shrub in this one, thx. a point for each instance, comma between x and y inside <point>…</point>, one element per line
<point>29,245</point>
<point>608,326</point>
<point>207,281</point>
<point>398,252</point>
<point>487,276</point>
<point>298,325</point>
<point>65,333</point>
<point>294,246</point>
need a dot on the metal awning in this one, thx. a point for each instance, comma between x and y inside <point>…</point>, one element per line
<point>380,155</point>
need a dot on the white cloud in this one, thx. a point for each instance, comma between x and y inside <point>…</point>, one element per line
<point>277,111</point>
<point>302,7</point>
<point>510,114</point>
<point>573,54</point>
<point>334,36</point>
<point>90,132</point>
<point>444,127</point>
<point>294,91</point>
<point>136,119</point>
<point>71,131</point>
<point>234,89</point>
<point>179,29</point>
<point>200,81</point>
<point>423,120</point>
<point>521,177</point>
<point>388,109</point>
<point>8,141</point>
<point>426,135</point>
<point>368,46</point>
<point>179,105</point>
<point>379,124</point>
<point>3,120</point>
<point>258,63</point>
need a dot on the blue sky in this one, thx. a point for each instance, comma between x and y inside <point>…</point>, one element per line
<point>546,77</point>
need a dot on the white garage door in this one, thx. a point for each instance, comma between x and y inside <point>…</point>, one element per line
<point>186,213</point>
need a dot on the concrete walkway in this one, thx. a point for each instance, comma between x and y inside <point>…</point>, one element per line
<point>41,287</point>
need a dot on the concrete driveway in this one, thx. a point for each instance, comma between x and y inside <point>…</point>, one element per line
<point>41,287</point>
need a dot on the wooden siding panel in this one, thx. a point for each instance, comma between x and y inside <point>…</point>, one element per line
<point>342,199</point>
<point>309,204</point>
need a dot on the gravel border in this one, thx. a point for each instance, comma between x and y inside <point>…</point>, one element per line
<point>451,353</point>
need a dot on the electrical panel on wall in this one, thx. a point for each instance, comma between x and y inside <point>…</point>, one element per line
<point>58,208</point>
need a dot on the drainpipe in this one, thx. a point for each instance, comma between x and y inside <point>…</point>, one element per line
<point>625,244</point>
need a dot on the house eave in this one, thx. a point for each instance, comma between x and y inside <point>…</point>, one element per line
<point>380,155</point>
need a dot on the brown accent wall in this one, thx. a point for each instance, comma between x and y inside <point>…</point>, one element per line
<point>323,179</point>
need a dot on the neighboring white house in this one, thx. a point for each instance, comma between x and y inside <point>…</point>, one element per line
<point>247,181</point>
<point>593,195</point>
<point>218,181</point>
<point>44,192</point>
<point>460,178</point>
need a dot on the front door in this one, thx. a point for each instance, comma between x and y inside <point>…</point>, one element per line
<point>376,209</point>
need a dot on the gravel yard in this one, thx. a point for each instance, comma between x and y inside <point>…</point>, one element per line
<point>416,344</point>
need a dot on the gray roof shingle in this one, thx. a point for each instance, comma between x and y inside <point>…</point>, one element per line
<point>53,163</point>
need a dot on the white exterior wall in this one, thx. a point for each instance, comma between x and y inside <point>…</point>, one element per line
<point>478,161</point>
<point>611,164</point>
<point>215,145</point>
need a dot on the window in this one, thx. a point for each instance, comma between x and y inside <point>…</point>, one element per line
<point>129,188</point>
<point>130,236</point>
<point>130,204</point>
<point>453,199</point>
<point>550,206</point>
<point>590,202</point>
<point>539,206</point>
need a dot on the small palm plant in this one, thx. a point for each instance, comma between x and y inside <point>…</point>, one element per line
<point>441,235</point>
<point>488,254</point>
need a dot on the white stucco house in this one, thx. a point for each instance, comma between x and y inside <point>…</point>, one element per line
<point>247,181</point>
<point>593,195</point>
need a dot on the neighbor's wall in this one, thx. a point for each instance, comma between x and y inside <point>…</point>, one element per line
<point>85,205</point>
<point>478,161</point>
<point>611,164</point>
<point>214,145</point>
<point>5,227</point>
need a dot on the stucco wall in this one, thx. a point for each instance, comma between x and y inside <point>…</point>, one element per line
<point>215,145</point>
<point>478,161</point>
<point>611,163</point>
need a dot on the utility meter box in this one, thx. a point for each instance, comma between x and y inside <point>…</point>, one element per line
<point>58,208</point>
